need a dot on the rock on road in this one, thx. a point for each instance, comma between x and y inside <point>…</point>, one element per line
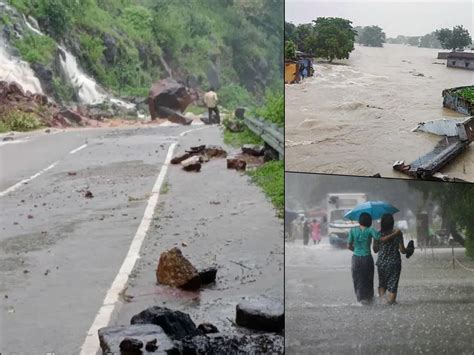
<point>60,251</point>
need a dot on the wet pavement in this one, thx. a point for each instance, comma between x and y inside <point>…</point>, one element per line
<point>60,251</point>
<point>433,314</point>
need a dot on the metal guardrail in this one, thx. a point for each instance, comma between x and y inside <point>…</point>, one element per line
<point>269,132</point>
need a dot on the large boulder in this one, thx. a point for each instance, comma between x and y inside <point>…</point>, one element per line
<point>261,313</point>
<point>110,338</point>
<point>208,275</point>
<point>167,98</point>
<point>176,271</point>
<point>215,151</point>
<point>192,163</point>
<point>214,344</point>
<point>175,324</point>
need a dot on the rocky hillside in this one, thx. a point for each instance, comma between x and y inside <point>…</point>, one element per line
<point>126,45</point>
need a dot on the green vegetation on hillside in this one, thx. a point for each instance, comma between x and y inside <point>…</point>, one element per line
<point>235,46</point>
<point>18,121</point>
<point>270,177</point>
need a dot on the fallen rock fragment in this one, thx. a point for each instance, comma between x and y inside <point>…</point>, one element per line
<point>236,163</point>
<point>262,313</point>
<point>215,151</point>
<point>208,275</point>
<point>132,345</point>
<point>8,139</point>
<point>230,344</point>
<point>88,194</point>
<point>192,164</point>
<point>151,345</point>
<point>180,158</point>
<point>177,325</point>
<point>176,271</point>
<point>253,149</point>
<point>110,338</point>
<point>207,328</point>
<point>71,173</point>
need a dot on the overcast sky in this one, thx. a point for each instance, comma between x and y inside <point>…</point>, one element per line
<point>409,18</point>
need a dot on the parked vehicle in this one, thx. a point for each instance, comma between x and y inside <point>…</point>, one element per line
<point>337,205</point>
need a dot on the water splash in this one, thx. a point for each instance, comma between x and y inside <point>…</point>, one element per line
<point>15,69</point>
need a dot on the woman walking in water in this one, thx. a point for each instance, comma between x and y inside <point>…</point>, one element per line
<point>316,231</point>
<point>389,262</point>
<point>360,239</point>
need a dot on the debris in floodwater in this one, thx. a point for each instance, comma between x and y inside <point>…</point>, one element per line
<point>72,173</point>
<point>30,216</point>
<point>7,139</point>
<point>46,272</point>
<point>456,138</point>
<point>176,271</point>
<point>88,194</point>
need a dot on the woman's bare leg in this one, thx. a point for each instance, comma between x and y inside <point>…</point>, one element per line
<point>382,291</point>
<point>391,297</point>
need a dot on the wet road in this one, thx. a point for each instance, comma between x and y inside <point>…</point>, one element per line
<point>60,252</point>
<point>433,314</point>
<point>355,117</point>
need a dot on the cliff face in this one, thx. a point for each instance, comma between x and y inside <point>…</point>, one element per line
<point>126,45</point>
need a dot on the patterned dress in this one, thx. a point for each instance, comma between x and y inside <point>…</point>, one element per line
<point>389,263</point>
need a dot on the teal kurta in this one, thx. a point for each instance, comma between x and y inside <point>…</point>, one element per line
<point>361,238</point>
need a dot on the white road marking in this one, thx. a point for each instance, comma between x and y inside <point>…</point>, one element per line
<point>91,343</point>
<point>23,140</point>
<point>74,151</point>
<point>25,181</point>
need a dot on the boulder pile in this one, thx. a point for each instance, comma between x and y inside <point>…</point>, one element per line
<point>14,98</point>
<point>192,159</point>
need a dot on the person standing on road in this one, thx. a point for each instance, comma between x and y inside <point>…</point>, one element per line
<point>362,268</point>
<point>389,262</point>
<point>211,100</point>
<point>316,231</point>
<point>306,231</point>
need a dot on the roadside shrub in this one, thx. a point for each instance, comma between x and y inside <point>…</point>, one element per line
<point>274,108</point>
<point>270,177</point>
<point>20,121</point>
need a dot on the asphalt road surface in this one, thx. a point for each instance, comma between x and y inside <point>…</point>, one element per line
<point>433,314</point>
<point>61,253</point>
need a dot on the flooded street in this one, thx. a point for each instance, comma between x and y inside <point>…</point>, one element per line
<point>433,314</point>
<point>356,116</point>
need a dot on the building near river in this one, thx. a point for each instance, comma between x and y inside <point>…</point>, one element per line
<point>462,60</point>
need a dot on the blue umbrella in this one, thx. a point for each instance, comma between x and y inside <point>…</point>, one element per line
<point>375,208</point>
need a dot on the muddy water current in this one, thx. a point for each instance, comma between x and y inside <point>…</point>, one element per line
<point>355,116</point>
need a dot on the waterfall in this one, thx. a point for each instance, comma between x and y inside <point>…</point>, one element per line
<point>88,90</point>
<point>15,69</point>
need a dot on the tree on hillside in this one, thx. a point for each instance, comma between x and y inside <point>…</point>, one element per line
<point>371,36</point>
<point>458,37</point>
<point>333,38</point>
<point>290,50</point>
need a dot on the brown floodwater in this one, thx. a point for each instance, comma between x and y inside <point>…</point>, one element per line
<point>355,116</point>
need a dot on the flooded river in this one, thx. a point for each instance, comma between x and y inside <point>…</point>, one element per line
<point>355,116</point>
<point>433,314</point>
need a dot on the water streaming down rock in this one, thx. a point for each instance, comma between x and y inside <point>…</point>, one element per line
<point>88,90</point>
<point>15,69</point>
